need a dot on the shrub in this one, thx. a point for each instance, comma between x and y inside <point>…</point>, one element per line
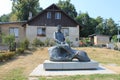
<point>37,42</point>
<point>6,56</point>
<point>20,51</point>
<point>114,38</point>
<point>26,43</point>
<point>1,57</point>
<point>52,42</point>
<point>68,41</point>
<point>12,46</point>
<point>85,42</point>
<point>10,41</point>
<point>47,42</point>
<point>41,43</point>
<point>22,45</point>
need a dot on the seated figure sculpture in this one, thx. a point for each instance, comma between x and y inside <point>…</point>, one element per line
<point>63,52</point>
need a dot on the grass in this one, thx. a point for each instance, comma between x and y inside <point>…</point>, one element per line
<point>20,67</point>
<point>105,56</point>
<point>15,74</point>
<point>85,77</point>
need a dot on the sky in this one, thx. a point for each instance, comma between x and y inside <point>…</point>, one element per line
<point>104,8</point>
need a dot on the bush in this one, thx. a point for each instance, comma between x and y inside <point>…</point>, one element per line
<point>41,43</point>
<point>114,38</point>
<point>85,42</point>
<point>37,42</point>
<point>47,42</point>
<point>20,51</point>
<point>1,57</point>
<point>51,43</point>
<point>25,44</point>
<point>68,42</point>
<point>6,56</point>
<point>12,46</point>
<point>10,41</point>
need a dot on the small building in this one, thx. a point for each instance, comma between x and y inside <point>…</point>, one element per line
<point>99,39</point>
<point>14,28</point>
<point>43,25</point>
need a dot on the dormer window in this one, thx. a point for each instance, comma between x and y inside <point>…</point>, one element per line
<point>57,15</point>
<point>48,15</point>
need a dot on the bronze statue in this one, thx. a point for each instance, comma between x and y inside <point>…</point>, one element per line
<point>63,52</point>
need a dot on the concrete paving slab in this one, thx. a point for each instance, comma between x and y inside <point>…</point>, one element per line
<point>40,71</point>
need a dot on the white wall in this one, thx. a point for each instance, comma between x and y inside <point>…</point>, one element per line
<point>31,33</point>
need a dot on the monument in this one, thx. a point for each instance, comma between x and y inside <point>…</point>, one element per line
<point>62,61</point>
<point>62,55</point>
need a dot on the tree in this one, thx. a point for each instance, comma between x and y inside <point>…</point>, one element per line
<point>4,18</point>
<point>67,7</point>
<point>22,8</point>
<point>112,27</point>
<point>99,19</point>
<point>88,24</point>
<point>13,16</point>
<point>107,27</point>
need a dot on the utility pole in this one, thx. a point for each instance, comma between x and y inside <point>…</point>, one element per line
<point>118,34</point>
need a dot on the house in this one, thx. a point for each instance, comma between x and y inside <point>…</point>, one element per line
<point>44,25</point>
<point>99,39</point>
<point>14,28</point>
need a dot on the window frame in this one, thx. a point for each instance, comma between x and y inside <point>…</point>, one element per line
<point>58,15</point>
<point>14,31</point>
<point>42,33</point>
<point>49,15</point>
<point>64,33</point>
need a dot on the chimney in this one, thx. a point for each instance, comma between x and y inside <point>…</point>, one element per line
<point>30,15</point>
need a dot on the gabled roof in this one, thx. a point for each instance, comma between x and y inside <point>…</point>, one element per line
<point>57,9</point>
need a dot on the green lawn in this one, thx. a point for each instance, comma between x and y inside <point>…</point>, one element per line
<point>85,77</point>
<point>21,67</point>
<point>15,74</point>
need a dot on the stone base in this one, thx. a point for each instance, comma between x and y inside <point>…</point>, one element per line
<point>74,65</point>
<point>39,71</point>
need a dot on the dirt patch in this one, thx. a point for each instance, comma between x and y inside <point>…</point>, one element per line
<point>113,68</point>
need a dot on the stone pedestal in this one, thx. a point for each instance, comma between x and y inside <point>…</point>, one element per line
<point>74,65</point>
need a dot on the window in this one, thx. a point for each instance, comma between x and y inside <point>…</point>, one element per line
<point>48,15</point>
<point>41,32</point>
<point>57,15</point>
<point>14,31</point>
<point>65,31</point>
